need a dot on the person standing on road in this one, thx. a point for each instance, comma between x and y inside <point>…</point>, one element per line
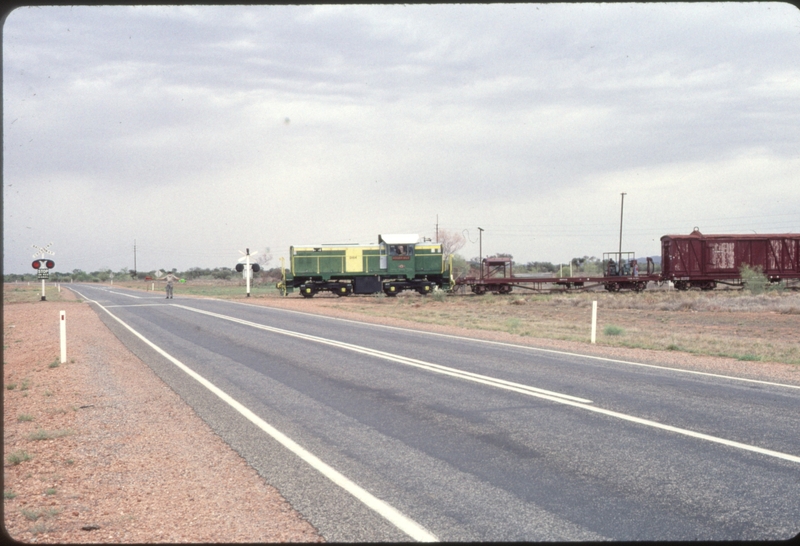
<point>170,278</point>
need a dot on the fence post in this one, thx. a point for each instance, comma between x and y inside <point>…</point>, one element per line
<point>594,320</point>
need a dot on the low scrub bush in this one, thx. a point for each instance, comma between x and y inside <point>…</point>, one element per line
<point>18,457</point>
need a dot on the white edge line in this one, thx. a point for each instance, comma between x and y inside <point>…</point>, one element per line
<point>391,514</point>
<point>526,347</point>
<point>560,400</point>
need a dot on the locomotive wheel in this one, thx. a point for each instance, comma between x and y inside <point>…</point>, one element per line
<point>424,290</point>
<point>307,292</point>
<point>343,290</point>
<point>391,291</point>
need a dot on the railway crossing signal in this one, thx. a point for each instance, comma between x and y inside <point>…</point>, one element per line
<point>247,268</point>
<point>42,265</point>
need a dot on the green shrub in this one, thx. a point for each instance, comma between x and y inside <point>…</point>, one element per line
<point>753,279</point>
<point>612,330</point>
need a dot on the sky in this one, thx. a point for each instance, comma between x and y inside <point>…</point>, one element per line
<point>196,132</point>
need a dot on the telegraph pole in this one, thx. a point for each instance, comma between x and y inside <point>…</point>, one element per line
<point>621,209</point>
<point>480,250</point>
<point>134,259</point>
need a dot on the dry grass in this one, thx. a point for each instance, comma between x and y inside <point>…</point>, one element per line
<point>722,323</point>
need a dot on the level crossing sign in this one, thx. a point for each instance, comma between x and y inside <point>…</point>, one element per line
<point>42,265</point>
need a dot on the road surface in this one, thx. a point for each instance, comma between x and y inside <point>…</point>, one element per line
<point>376,433</point>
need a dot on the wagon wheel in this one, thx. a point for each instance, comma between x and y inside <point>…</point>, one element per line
<point>612,286</point>
<point>479,289</point>
<point>505,288</point>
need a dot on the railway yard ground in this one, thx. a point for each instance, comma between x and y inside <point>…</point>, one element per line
<point>94,457</point>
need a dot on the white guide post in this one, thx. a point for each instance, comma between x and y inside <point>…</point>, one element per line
<point>594,320</point>
<point>63,327</point>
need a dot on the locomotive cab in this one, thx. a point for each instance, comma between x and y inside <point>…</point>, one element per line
<point>397,255</point>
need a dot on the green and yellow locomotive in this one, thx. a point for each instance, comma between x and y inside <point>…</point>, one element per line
<point>394,264</point>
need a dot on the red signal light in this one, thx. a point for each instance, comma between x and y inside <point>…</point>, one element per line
<point>50,264</point>
<point>36,264</point>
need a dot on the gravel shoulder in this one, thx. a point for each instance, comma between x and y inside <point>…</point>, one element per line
<point>99,449</point>
<point>105,452</point>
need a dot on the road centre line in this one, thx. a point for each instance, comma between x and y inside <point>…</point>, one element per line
<point>437,368</point>
<point>526,347</point>
<point>387,511</point>
<point>561,399</point>
<point>137,305</point>
<point>124,294</point>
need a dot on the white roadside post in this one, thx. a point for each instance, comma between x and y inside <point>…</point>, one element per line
<point>63,327</point>
<point>594,320</point>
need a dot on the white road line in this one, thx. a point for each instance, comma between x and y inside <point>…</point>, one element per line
<point>124,294</point>
<point>525,347</point>
<point>561,399</point>
<point>138,305</point>
<point>388,512</point>
<point>437,368</point>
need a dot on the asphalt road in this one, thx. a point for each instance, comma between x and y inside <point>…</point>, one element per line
<point>384,434</point>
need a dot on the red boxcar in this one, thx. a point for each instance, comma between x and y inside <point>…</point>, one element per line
<point>702,261</point>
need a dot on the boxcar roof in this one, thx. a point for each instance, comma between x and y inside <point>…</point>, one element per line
<point>698,235</point>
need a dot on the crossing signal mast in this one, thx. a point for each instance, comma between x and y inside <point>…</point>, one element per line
<point>42,265</point>
<point>247,268</point>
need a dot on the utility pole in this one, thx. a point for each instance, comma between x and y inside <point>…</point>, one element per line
<point>134,259</point>
<point>621,209</point>
<point>480,250</point>
<point>437,228</point>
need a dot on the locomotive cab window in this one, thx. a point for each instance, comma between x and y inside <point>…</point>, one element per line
<point>401,250</point>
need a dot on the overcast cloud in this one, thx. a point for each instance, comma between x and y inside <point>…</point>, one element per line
<point>198,131</point>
